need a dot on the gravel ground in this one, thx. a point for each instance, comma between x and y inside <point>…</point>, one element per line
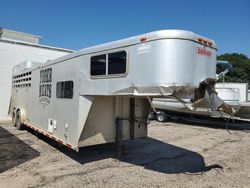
<point>174,155</point>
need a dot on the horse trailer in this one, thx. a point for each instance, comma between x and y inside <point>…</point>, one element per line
<point>103,93</point>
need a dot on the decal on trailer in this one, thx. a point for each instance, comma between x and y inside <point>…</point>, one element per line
<point>45,85</point>
<point>204,52</point>
<point>143,48</point>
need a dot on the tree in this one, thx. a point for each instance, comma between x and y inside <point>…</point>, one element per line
<point>241,64</point>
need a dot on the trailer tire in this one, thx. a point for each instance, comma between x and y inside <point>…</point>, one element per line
<point>18,122</point>
<point>151,116</point>
<point>161,116</point>
<point>13,119</point>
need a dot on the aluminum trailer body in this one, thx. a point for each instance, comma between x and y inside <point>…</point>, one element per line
<point>76,99</point>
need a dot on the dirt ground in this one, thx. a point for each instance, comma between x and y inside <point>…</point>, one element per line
<point>174,155</point>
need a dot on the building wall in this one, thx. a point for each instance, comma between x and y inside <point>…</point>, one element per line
<point>12,54</point>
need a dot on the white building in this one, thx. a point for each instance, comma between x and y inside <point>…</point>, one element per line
<point>16,47</point>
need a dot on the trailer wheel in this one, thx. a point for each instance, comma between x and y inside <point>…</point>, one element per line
<point>161,116</point>
<point>18,122</point>
<point>13,118</point>
<point>151,116</point>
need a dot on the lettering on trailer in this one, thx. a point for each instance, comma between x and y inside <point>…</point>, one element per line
<point>45,86</point>
<point>143,48</point>
<point>204,52</point>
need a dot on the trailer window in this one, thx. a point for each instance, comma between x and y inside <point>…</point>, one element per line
<point>117,62</point>
<point>64,89</point>
<point>98,65</point>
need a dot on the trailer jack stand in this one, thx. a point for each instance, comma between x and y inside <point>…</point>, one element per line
<point>118,136</point>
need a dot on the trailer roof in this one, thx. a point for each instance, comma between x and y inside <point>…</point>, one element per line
<point>156,35</point>
<point>161,34</point>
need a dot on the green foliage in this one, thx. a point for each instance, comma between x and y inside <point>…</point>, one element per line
<point>241,64</point>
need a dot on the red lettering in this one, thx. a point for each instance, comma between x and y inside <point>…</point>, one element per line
<point>204,52</point>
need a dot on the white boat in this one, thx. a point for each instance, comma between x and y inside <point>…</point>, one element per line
<point>234,94</point>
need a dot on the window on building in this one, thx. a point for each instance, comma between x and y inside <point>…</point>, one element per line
<point>117,62</point>
<point>64,89</point>
<point>98,65</point>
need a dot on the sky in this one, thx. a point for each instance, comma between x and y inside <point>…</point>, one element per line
<point>75,24</point>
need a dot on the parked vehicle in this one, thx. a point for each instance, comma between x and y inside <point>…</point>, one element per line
<point>103,93</point>
<point>234,94</point>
